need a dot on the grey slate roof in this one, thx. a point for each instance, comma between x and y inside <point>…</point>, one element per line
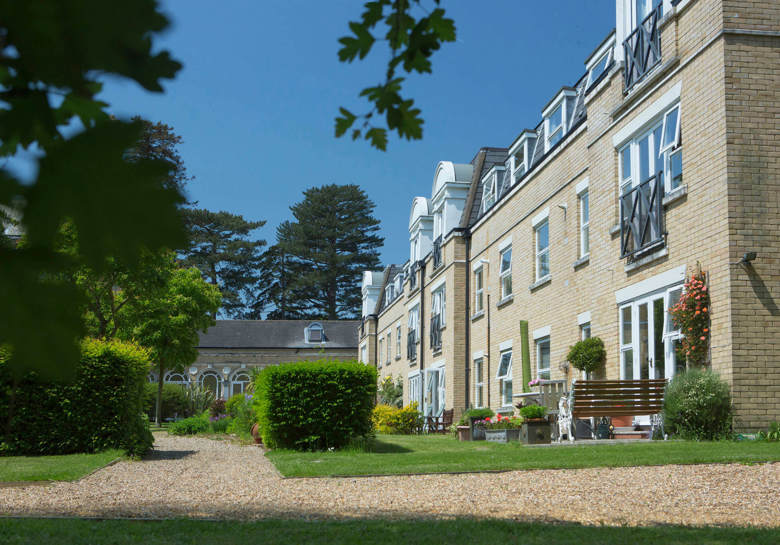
<point>278,334</point>
<point>492,157</point>
<point>389,274</point>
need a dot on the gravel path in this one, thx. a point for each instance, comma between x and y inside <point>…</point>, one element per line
<point>202,478</point>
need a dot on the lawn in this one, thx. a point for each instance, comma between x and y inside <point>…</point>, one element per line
<point>53,468</point>
<point>270,532</point>
<point>398,454</point>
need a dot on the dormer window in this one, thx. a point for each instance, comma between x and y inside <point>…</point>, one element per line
<point>555,116</point>
<point>314,333</point>
<point>389,294</point>
<point>491,187</point>
<point>520,154</point>
<point>600,61</point>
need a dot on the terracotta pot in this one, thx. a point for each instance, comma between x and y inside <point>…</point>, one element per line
<point>256,434</point>
<point>464,433</point>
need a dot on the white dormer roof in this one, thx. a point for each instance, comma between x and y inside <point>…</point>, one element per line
<point>448,172</point>
<point>421,207</point>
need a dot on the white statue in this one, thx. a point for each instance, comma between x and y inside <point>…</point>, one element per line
<point>564,419</point>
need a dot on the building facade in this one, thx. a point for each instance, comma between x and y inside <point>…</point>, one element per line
<point>662,157</point>
<point>231,349</point>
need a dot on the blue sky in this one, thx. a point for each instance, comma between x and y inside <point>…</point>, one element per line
<point>261,85</point>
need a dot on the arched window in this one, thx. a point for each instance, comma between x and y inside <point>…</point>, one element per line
<point>177,378</point>
<point>151,377</point>
<point>314,333</point>
<point>239,383</point>
<point>210,380</point>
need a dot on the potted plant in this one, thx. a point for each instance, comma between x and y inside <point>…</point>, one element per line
<point>501,429</point>
<point>536,428</point>
<point>588,355</point>
<point>471,417</point>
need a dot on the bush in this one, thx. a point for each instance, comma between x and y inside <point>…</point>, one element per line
<point>218,408</point>
<point>315,405</point>
<point>240,408</point>
<point>220,424</point>
<point>175,401</point>
<point>232,404</point>
<point>392,393</point>
<point>101,408</point>
<point>392,420</point>
<point>199,399</point>
<point>697,405</point>
<point>771,435</point>
<point>191,425</point>
<point>533,411</point>
<point>475,414</point>
<point>588,355</point>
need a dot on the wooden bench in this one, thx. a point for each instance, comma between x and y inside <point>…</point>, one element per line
<point>440,424</point>
<point>597,398</point>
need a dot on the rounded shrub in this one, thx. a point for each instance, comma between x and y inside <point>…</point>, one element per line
<point>191,425</point>
<point>315,405</point>
<point>697,405</point>
<point>475,414</point>
<point>100,408</point>
<point>393,420</point>
<point>175,401</point>
<point>588,355</point>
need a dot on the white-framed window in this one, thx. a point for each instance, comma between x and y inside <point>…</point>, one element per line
<point>585,331</point>
<point>414,321</point>
<point>389,346</point>
<point>479,383</point>
<point>398,341</point>
<point>415,390</point>
<point>239,383</point>
<point>654,151</point>
<point>603,58</point>
<point>381,351</point>
<point>555,126</point>
<point>490,187</point>
<point>584,202</point>
<point>543,358</point>
<point>389,294</point>
<point>211,380</point>
<point>479,290</point>
<point>504,376</point>
<point>520,155</point>
<point>364,354</point>
<point>439,306</point>
<point>314,333</point>
<point>542,242</point>
<point>505,272</point>
<point>177,378</point>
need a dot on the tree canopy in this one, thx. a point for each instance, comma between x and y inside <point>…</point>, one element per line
<point>52,56</point>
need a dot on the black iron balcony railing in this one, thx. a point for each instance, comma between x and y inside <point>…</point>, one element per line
<point>413,276</point>
<point>411,345</point>
<point>643,48</point>
<point>437,252</point>
<point>435,332</point>
<point>641,217</point>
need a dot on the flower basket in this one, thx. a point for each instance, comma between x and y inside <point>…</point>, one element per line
<point>502,436</point>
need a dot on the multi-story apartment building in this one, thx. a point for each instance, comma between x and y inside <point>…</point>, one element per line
<point>662,155</point>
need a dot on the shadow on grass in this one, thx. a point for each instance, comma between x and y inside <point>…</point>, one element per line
<point>383,447</point>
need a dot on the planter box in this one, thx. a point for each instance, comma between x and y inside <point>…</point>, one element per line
<point>477,434</point>
<point>502,436</point>
<point>464,433</point>
<point>536,432</point>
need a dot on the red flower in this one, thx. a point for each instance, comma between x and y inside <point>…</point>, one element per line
<point>702,338</point>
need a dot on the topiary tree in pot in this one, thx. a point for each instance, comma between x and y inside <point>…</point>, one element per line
<point>588,355</point>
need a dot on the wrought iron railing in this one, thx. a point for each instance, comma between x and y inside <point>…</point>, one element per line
<point>435,332</point>
<point>642,48</point>
<point>437,252</point>
<point>641,217</point>
<point>411,345</point>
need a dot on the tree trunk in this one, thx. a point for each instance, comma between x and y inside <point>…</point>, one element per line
<point>158,409</point>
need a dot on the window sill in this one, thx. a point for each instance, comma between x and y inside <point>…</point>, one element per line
<point>614,230</point>
<point>397,358</point>
<point>505,301</point>
<point>674,196</point>
<point>663,252</point>
<point>477,315</point>
<point>541,282</point>
<point>436,351</point>
<point>580,262</point>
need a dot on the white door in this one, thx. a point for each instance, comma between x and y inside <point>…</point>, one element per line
<point>434,392</point>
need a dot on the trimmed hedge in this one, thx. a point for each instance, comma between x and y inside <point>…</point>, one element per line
<point>315,405</point>
<point>101,408</point>
<point>175,401</point>
<point>393,420</point>
<point>697,405</point>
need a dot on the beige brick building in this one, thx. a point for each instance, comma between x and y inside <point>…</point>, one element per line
<point>664,154</point>
<point>230,349</point>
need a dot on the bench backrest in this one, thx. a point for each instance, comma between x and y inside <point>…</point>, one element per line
<point>550,392</point>
<point>618,397</point>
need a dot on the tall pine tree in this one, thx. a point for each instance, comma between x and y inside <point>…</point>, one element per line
<point>278,287</point>
<point>331,242</point>
<point>220,246</point>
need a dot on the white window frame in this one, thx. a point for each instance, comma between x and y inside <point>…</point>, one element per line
<point>490,189</point>
<point>439,304</point>
<point>389,346</point>
<point>523,142</point>
<point>479,383</point>
<point>415,389</point>
<point>414,321</point>
<point>631,179</point>
<point>364,354</point>
<point>585,328</point>
<point>604,54</point>
<point>539,369</point>
<point>504,377</point>
<point>381,349</point>
<point>539,252</point>
<point>235,381</point>
<point>558,102</point>
<point>398,341</point>
<point>584,205</point>
<point>479,289</point>
<point>505,274</point>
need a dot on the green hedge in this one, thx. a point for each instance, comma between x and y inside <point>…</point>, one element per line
<point>697,405</point>
<point>315,405</point>
<point>101,408</point>
<point>175,402</point>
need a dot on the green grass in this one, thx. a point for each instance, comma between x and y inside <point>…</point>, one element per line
<point>53,468</point>
<point>399,454</point>
<point>359,532</point>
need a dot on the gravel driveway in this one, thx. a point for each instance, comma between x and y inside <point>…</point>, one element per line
<point>202,478</point>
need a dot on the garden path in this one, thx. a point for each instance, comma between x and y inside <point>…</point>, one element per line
<point>203,478</point>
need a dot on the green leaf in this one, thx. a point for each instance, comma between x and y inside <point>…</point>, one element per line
<point>344,122</point>
<point>378,138</point>
<point>360,45</point>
